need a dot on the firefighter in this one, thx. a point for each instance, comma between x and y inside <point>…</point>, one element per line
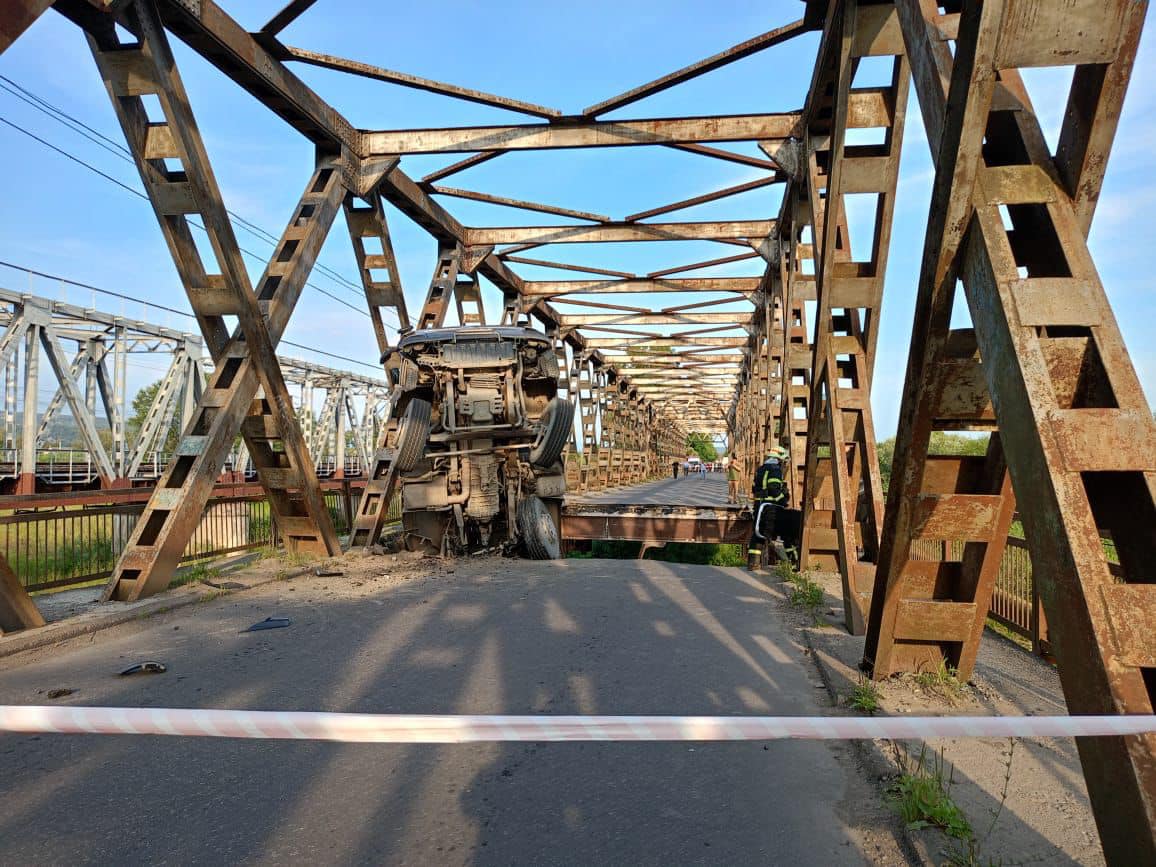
<point>768,487</point>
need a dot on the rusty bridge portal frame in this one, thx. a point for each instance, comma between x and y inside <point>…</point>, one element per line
<point>1043,367</point>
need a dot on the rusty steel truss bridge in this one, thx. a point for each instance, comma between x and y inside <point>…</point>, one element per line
<point>1043,367</point>
<point>341,433</point>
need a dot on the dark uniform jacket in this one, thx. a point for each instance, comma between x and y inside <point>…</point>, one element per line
<point>768,485</point>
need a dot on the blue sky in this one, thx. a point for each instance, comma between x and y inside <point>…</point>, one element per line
<point>60,218</point>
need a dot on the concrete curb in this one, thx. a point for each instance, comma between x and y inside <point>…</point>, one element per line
<point>112,614</point>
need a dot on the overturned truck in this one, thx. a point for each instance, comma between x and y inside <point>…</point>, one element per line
<point>480,439</point>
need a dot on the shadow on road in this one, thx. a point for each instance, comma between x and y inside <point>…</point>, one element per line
<point>501,636</point>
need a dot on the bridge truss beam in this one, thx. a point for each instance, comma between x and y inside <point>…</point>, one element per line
<point>842,496</point>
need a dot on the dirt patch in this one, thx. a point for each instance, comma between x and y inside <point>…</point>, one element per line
<point>79,614</point>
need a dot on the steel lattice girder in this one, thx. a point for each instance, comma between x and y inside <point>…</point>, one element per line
<point>100,335</point>
<point>842,498</point>
<point>245,359</point>
<point>1074,428</point>
<point>208,30</point>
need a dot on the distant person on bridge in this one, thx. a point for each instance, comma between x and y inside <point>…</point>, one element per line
<point>674,466</point>
<point>770,494</point>
<point>732,468</point>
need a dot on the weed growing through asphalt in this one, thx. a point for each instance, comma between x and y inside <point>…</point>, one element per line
<point>265,552</point>
<point>784,571</point>
<point>806,594</point>
<point>865,696</point>
<point>200,572</point>
<point>942,681</point>
<point>922,795</point>
<point>968,853</point>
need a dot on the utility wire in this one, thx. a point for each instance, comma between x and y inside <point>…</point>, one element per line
<point>153,304</point>
<point>118,149</point>
<point>97,139</point>
<point>75,159</point>
<point>376,367</point>
<point>119,145</point>
<point>141,195</point>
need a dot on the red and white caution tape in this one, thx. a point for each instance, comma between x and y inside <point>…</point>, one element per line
<point>410,729</point>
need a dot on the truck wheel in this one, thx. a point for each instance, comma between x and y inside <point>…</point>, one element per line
<point>557,426</point>
<point>536,527</point>
<point>412,434</point>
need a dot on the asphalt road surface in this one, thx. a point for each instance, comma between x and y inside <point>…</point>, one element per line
<point>692,490</point>
<point>496,636</point>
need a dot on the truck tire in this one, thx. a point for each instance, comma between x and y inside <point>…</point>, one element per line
<point>412,434</point>
<point>557,427</point>
<point>537,529</point>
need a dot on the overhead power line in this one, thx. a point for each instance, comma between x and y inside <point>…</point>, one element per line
<point>156,306</point>
<point>119,150</point>
<point>141,195</point>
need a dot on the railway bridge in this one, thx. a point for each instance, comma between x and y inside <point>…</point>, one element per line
<point>784,353</point>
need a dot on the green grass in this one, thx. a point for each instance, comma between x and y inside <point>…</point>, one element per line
<point>298,558</point>
<point>265,552</point>
<point>260,522</point>
<point>1016,531</point>
<point>706,554</point>
<point>1011,635</point>
<point>39,556</point>
<point>608,551</point>
<point>865,696</point>
<point>66,561</point>
<point>805,593</point>
<point>74,542</point>
<point>922,796</point>
<point>784,571</point>
<point>194,574</point>
<point>942,681</point>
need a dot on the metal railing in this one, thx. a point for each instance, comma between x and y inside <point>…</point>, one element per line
<point>72,545</point>
<point>79,542</point>
<point>1015,599</point>
<point>327,467</point>
<point>55,466</point>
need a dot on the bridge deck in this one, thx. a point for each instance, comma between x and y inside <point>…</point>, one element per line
<point>493,636</point>
<point>709,491</point>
